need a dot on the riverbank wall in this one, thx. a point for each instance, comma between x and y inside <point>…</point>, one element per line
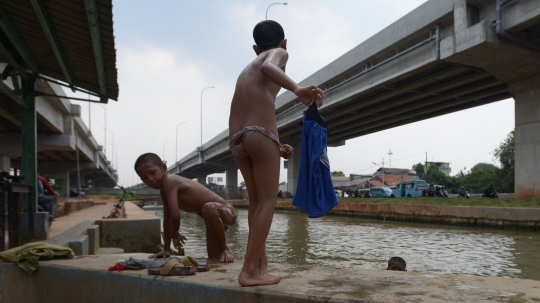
<point>516,218</point>
<point>86,279</point>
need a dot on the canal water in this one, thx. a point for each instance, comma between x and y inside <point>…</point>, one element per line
<point>362,243</point>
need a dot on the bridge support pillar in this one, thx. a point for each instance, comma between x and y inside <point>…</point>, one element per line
<point>293,166</point>
<point>231,174</point>
<point>527,141</point>
<point>201,179</point>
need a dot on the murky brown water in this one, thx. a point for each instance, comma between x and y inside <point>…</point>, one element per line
<point>361,243</point>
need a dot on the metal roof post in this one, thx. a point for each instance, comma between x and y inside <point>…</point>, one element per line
<point>95,32</point>
<point>29,140</point>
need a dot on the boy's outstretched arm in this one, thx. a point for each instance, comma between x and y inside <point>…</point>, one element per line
<point>171,191</point>
<point>273,67</point>
<point>166,232</point>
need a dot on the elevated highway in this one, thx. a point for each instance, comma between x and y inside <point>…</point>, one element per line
<point>443,57</point>
<point>61,134</point>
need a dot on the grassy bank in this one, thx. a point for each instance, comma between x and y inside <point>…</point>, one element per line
<point>445,201</point>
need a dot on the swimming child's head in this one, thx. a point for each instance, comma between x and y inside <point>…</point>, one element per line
<point>397,263</point>
<point>268,34</point>
<point>151,169</point>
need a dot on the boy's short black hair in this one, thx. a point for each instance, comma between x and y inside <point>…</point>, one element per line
<point>397,260</point>
<point>148,157</point>
<point>268,34</point>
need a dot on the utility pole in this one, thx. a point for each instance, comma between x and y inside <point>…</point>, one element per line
<point>426,170</point>
<point>390,155</point>
<point>383,172</point>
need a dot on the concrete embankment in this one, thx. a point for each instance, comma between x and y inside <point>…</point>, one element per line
<point>135,231</point>
<point>86,279</point>
<point>519,218</point>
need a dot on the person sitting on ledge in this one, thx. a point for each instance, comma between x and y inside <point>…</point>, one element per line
<point>181,193</point>
<point>397,264</point>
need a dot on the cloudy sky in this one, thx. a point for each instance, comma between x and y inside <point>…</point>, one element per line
<point>169,50</point>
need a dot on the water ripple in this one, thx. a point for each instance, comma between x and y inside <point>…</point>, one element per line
<point>429,249</point>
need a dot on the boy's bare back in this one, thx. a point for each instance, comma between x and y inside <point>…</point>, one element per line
<point>255,94</point>
<point>191,195</point>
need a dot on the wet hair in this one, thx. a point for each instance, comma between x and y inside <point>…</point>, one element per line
<point>268,34</point>
<point>397,260</point>
<point>148,157</point>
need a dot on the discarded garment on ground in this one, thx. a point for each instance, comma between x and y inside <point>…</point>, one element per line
<point>141,263</point>
<point>28,255</point>
<point>315,190</point>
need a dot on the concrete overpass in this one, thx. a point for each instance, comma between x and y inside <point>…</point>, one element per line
<point>45,45</point>
<point>60,134</point>
<point>443,57</point>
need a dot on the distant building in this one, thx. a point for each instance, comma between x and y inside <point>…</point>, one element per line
<point>215,180</point>
<point>391,176</point>
<point>443,166</point>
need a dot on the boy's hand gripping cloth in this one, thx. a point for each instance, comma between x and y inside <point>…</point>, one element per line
<point>315,190</point>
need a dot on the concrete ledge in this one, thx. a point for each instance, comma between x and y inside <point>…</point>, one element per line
<point>475,216</point>
<point>76,238</point>
<point>86,279</point>
<point>79,246</point>
<point>135,231</point>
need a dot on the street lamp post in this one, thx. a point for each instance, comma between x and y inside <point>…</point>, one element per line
<point>112,153</point>
<point>176,156</point>
<point>163,159</point>
<point>89,116</point>
<point>282,3</point>
<point>105,132</point>
<point>115,155</point>
<point>200,150</point>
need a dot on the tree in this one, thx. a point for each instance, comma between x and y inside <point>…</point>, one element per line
<point>435,175</point>
<point>419,169</point>
<point>505,153</point>
<point>337,174</point>
<point>480,176</point>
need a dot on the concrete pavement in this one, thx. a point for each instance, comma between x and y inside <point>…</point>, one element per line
<point>86,279</point>
<point>61,224</point>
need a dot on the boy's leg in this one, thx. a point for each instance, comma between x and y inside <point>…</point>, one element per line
<point>216,215</point>
<point>246,168</point>
<point>264,155</point>
<point>47,203</point>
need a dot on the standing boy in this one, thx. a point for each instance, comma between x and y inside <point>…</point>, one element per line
<point>190,196</point>
<point>254,140</point>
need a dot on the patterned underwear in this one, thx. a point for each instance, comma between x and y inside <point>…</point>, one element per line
<point>236,143</point>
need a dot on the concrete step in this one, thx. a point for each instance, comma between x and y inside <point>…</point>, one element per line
<point>109,251</point>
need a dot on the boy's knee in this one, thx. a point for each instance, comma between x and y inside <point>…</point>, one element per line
<point>209,209</point>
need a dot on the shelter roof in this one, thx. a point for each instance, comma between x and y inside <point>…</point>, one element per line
<point>71,41</point>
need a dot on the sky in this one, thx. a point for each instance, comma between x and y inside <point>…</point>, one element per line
<point>169,51</point>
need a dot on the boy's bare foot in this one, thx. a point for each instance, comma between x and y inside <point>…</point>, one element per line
<point>266,279</point>
<point>226,256</point>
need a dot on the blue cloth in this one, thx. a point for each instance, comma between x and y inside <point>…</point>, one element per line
<point>41,190</point>
<point>315,190</point>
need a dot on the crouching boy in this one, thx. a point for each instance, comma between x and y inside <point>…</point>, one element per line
<point>180,193</point>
